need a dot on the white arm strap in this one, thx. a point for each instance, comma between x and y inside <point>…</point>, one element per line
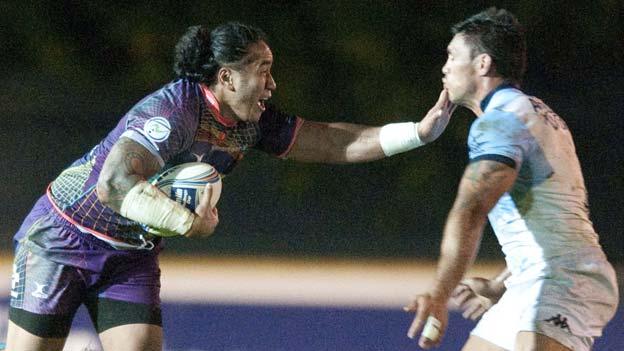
<point>395,138</point>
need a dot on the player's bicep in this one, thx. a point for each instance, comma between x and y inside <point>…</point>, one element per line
<point>127,163</point>
<point>483,183</point>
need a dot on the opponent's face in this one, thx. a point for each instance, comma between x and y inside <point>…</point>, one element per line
<point>253,83</point>
<point>459,71</point>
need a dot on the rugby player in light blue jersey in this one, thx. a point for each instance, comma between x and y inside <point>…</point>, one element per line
<point>84,242</point>
<point>559,290</point>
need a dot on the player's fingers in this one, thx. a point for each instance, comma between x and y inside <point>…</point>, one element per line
<point>432,333</point>
<point>452,108</point>
<point>470,309</point>
<point>412,306</point>
<point>477,312</point>
<point>442,99</point>
<point>208,192</point>
<point>214,213</point>
<point>459,289</point>
<point>414,328</point>
<point>422,312</point>
<point>461,299</point>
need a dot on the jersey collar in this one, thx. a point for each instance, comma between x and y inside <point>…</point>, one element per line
<point>213,105</point>
<point>486,100</point>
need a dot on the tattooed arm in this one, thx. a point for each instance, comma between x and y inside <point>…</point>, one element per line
<point>482,184</point>
<point>128,163</point>
<point>123,187</point>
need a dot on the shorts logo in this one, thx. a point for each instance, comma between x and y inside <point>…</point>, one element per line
<point>559,321</point>
<point>40,291</point>
<point>15,280</point>
<point>157,129</point>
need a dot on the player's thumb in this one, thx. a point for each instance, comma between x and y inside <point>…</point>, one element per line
<point>442,99</point>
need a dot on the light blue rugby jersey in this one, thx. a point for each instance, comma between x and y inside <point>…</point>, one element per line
<point>545,213</point>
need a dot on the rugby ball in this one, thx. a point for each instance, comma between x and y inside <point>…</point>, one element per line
<point>186,183</point>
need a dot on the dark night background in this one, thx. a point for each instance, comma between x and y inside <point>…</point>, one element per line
<point>71,69</point>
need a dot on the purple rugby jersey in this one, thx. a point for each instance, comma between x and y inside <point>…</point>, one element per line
<point>178,123</point>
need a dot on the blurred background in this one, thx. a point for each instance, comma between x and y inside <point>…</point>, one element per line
<point>71,69</point>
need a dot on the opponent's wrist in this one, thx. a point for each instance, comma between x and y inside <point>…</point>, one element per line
<point>395,138</point>
<point>145,204</point>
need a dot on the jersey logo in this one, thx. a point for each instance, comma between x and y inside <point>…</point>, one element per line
<point>39,292</point>
<point>559,321</point>
<point>157,129</point>
<point>198,157</point>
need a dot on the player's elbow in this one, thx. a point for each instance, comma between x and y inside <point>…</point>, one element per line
<point>111,190</point>
<point>105,190</point>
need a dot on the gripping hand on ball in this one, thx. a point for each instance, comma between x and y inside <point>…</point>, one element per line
<point>206,216</point>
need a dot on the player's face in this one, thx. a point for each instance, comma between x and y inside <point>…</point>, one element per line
<point>253,83</point>
<point>459,71</point>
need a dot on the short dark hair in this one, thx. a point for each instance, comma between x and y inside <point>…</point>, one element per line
<point>497,33</point>
<point>200,52</point>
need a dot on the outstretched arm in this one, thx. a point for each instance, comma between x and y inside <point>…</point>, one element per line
<point>482,184</point>
<point>349,143</point>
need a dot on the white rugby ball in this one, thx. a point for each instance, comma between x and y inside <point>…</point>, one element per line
<point>186,183</point>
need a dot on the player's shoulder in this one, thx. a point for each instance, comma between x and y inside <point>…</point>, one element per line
<point>170,99</point>
<point>495,120</point>
<point>510,101</point>
<point>178,92</point>
<point>498,124</point>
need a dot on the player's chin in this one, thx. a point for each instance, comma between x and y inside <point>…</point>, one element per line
<point>452,96</point>
<point>254,115</point>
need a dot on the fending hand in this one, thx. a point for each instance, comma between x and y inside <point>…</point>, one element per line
<point>436,120</point>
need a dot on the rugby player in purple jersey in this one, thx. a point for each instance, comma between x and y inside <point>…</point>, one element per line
<point>85,242</point>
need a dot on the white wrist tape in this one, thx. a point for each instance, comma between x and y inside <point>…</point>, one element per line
<point>147,205</point>
<point>395,138</point>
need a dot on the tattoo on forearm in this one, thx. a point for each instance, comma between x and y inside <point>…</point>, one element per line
<point>134,163</point>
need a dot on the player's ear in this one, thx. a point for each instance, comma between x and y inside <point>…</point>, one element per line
<point>225,78</point>
<point>485,64</point>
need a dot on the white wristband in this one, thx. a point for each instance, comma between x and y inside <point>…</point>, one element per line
<point>395,138</point>
<point>145,204</point>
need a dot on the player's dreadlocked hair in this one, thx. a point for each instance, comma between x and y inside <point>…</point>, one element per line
<point>497,33</point>
<point>200,52</point>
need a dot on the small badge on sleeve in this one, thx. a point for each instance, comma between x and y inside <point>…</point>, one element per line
<point>157,129</point>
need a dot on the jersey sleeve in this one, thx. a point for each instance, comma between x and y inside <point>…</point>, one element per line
<point>278,131</point>
<point>499,136</point>
<point>163,124</point>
